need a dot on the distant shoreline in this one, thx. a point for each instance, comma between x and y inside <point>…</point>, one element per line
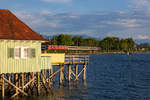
<point>121,52</point>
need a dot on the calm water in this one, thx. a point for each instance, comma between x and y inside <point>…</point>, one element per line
<point>110,77</point>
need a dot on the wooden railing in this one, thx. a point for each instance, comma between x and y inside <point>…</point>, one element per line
<point>76,58</point>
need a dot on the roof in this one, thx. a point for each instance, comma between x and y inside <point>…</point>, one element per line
<point>14,29</point>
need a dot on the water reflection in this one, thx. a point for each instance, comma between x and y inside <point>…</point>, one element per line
<point>72,92</point>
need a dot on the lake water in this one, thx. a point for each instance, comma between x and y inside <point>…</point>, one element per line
<point>110,77</point>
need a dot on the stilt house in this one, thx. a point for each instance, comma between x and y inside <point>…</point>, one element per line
<point>20,46</point>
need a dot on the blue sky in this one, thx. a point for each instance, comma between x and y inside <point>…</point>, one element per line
<point>59,6</point>
<point>94,18</point>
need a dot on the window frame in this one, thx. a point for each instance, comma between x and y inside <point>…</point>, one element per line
<point>22,52</point>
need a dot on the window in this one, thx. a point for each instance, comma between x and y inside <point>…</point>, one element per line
<point>21,52</point>
<point>17,52</point>
<point>25,52</point>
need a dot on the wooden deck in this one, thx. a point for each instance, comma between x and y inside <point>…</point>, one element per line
<point>77,59</point>
<point>70,68</point>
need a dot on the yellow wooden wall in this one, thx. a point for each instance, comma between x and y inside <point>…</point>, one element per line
<point>12,65</point>
<point>46,62</point>
<point>55,57</point>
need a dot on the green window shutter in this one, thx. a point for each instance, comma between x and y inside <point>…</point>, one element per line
<point>10,52</point>
<point>32,53</point>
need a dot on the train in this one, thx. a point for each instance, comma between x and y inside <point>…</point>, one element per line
<point>63,47</point>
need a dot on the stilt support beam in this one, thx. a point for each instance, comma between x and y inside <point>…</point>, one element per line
<point>84,72</point>
<point>61,75</point>
<point>69,73</point>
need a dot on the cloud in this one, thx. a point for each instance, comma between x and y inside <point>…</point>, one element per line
<point>57,1</point>
<point>99,25</point>
<point>130,23</point>
<point>143,37</point>
<point>138,4</point>
<point>37,20</point>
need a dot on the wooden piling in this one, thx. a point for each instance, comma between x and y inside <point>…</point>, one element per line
<point>49,79</point>
<point>29,79</point>
<point>84,72</point>
<point>16,81</point>
<point>9,77</point>
<point>69,73</point>
<point>76,72</point>
<point>43,75</point>
<point>61,75</point>
<point>38,83</point>
<point>33,80</point>
<point>22,82</point>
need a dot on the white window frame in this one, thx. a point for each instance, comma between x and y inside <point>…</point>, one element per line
<point>22,56</point>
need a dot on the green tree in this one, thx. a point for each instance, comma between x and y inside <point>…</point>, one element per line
<point>78,41</point>
<point>127,44</point>
<point>91,42</point>
<point>64,39</point>
<point>110,43</point>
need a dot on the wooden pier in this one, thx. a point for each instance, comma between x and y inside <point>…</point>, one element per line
<point>34,83</point>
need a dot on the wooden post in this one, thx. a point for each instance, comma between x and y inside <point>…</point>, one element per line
<point>84,72</point>
<point>19,81</point>
<point>22,82</point>
<point>32,83</point>
<point>43,75</point>
<point>84,84</point>
<point>16,81</point>
<point>29,78</point>
<point>61,75</point>
<point>3,86</point>
<point>51,72</point>
<point>49,80</point>
<point>32,78</point>
<point>76,70</point>
<point>69,73</point>
<point>25,74</point>
<point>8,76</point>
<point>38,83</point>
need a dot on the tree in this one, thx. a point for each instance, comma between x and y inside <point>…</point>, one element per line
<point>91,42</point>
<point>64,39</point>
<point>127,44</point>
<point>78,41</point>
<point>110,43</point>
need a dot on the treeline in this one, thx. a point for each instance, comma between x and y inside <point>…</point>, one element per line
<point>107,44</point>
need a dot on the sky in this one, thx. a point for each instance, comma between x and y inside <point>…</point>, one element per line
<point>93,18</point>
